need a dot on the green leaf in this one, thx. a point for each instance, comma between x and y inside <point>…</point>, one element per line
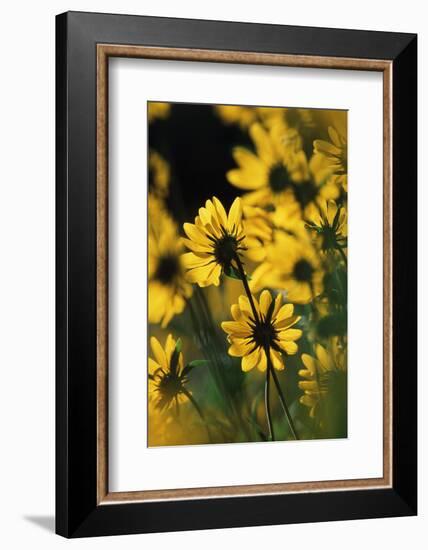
<point>178,345</point>
<point>198,363</point>
<point>234,274</point>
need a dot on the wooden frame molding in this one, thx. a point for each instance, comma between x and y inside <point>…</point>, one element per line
<point>104,52</point>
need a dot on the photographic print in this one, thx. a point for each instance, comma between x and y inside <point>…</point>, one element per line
<point>247,274</point>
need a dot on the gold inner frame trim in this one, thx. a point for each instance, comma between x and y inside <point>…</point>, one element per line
<point>104,51</point>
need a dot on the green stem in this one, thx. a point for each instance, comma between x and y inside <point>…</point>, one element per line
<point>217,367</point>
<point>282,400</point>
<point>267,404</point>
<point>199,411</point>
<point>246,286</point>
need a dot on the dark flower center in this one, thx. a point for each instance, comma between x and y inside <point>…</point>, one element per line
<point>225,249</point>
<point>303,271</point>
<point>305,193</point>
<point>328,238</point>
<point>168,269</point>
<point>264,333</point>
<point>279,178</point>
<point>169,386</point>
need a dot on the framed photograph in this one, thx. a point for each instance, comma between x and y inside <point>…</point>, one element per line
<point>236,274</point>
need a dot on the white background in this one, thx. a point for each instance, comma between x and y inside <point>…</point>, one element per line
<point>27,273</point>
<point>132,82</point>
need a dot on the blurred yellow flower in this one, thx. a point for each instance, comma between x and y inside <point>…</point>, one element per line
<point>317,187</point>
<point>288,217</point>
<point>291,264</point>
<point>235,114</point>
<point>269,174</point>
<point>167,377</point>
<point>159,175</point>
<point>271,332</point>
<point>329,225</point>
<point>215,240</point>
<point>288,125</point>
<point>157,109</point>
<point>168,288</point>
<point>321,373</point>
<point>258,229</point>
<point>336,153</point>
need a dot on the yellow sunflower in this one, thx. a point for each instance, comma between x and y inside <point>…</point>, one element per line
<point>167,377</point>
<point>258,229</point>
<point>158,110</point>
<point>270,173</point>
<point>329,225</point>
<point>292,265</point>
<point>159,175</point>
<point>324,373</point>
<point>319,186</point>
<point>168,288</point>
<point>270,331</point>
<point>288,218</point>
<point>289,125</point>
<point>215,241</point>
<point>236,114</point>
<point>336,153</point>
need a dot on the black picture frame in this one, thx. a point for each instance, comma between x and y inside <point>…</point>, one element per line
<point>77,511</point>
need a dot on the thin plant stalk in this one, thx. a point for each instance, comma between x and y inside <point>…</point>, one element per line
<point>267,405</point>
<point>216,367</point>
<point>199,411</point>
<point>246,287</point>
<point>283,402</point>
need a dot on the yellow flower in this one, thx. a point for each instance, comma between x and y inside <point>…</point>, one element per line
<point>323,373</point>
<point>167,377</point>
<point>317,187</point>
<point>235,114</point>
<point>336,153</point>
<point>156,208</point>
<point>270,173</point>
<point>289,125</point>
<point>156,110</point>
<point>329,224</point>
<point>258,229</point>
<point>168,288</point>
<point>271,332</point>
<point>215,240</point>
<point>292,265</point>
<point>288,217</point>
<point>159,175</point>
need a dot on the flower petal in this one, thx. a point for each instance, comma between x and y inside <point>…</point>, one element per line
<point>251,360</point>
<point>195,234</point>
<point>290,348</point>
<point>159,353</point>
<point>240,347</point>
<point>289,335</point>
<point>262,364</point>
<point>309,363</point>
<point>236,329</point>
<point>276,359</point>
<point>284,313</point>
<point>235,215</point>
<point>265,302</point>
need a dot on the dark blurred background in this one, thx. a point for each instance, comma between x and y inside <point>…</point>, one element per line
<point>198,146</point>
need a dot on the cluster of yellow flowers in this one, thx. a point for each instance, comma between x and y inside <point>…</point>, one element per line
<point>284,238</point>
